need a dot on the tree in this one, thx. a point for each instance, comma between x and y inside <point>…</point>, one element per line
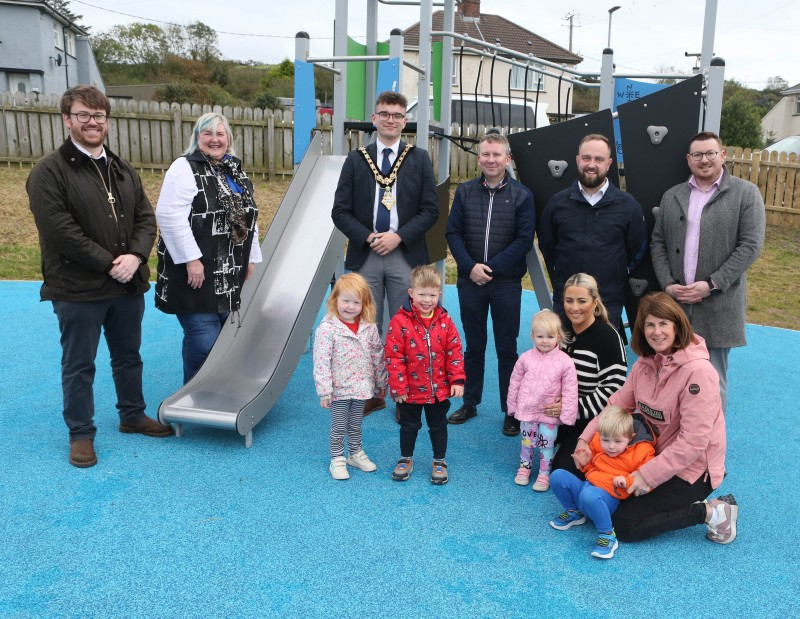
<point>776,84</point>
<point>740,124</point>
<point>62,6</point>
<point>201,42</point>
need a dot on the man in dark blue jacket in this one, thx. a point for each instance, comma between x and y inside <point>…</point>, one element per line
<point>490,231</point>
<point>593,227</point>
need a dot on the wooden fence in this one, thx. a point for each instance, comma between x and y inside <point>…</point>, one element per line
<point>151,135</point>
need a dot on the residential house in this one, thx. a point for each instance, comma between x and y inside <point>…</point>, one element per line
<point>784,119</point>
<point>494,29</point>
<point>42,51</point>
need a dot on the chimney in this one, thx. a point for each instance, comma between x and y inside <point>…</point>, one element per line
<point>470,8</point>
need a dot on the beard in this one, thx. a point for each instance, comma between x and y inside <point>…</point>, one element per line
<point>590,182</point>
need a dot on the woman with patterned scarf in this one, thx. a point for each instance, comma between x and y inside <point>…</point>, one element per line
<point>209,238</point>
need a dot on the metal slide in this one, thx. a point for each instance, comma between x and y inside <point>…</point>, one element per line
<point>254,357</point>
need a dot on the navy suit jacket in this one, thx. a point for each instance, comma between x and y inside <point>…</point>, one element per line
<point>417,205</point>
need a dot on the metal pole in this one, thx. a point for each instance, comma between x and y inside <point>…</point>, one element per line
<point>709,27</point>
<point>610,13</point>
<point>716,82</point>
<point>424,83</point>
<point>372,49</point>
<point>396,51</point>
<point>447,91</point>
<point>340,81</point>
<point>607,80</point>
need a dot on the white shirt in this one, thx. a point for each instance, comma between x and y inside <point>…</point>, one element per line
<point>594,198</point>
<point>394,223</point>
<point>173,210</point>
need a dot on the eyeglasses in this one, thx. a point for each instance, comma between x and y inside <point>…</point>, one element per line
<point>709,154</point>
<point>83,117</point>
<point>397,116</point>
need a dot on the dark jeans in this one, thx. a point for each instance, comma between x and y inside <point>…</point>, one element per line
<point>504,300</point>
<point>411,422</point>
<point>80,323</point>
<point>670,506</point>
<point>200,331</point>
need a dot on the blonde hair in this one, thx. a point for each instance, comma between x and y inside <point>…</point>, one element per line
<point>589,283</point>
<point>614,422</point>
<point>354,284</point>
<point>550,322</point>
<point>425,276</point>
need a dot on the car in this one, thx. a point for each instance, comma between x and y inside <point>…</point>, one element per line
<point>786,145</point>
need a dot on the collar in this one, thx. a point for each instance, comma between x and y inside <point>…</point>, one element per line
<point>600,192</point>
<point>503,182</point>
<point>103,154</point>
<point>380,146</point>
<point>715,185</point>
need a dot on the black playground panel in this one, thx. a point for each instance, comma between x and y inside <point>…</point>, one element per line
<point>655,133</point>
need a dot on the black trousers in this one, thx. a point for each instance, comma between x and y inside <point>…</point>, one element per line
<point>411,422</point>
<point>504,299</point>
<point>669,507</point>
<point>81,323</point>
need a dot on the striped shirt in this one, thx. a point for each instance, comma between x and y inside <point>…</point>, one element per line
<point>599,357</point>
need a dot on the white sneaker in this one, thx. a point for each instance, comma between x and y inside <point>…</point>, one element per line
<point>338,468</point>
<point>360,461</point>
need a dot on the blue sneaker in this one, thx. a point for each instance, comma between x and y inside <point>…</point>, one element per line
<point>567,519</point>
<point>606,545</point>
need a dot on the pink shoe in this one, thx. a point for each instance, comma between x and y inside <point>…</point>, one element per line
<point>542,483</point>
<point>523,476</point>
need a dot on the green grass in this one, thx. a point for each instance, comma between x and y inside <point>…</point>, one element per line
<point>773,297</point>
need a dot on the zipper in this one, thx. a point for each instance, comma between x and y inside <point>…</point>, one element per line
<point>488,225</point>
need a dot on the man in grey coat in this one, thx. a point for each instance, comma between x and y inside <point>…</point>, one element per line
<point>708,232</point>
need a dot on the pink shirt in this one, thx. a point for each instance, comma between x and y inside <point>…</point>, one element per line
<point>697,201</point>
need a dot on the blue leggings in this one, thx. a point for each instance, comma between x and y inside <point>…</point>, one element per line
<point>590,500</point>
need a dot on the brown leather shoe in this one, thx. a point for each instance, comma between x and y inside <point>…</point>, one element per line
<point>374,404</point>
<point>81,453</point>
<point>148,427</point>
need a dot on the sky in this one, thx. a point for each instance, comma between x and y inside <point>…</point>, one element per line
<point>757,40</point>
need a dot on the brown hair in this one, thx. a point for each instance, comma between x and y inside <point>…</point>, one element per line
<point>615,422</point>
<point>597,136</point>
<point>660,305</point>
<point>357,285</point>
<point>706,135</point>
<point>91,97</point>
<point>496,138</point>
<point>425,276</point>
<point>389,97</point>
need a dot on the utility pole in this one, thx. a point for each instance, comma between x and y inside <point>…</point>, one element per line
<point>569,17</point>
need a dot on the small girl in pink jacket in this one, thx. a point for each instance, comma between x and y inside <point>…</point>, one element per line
<point>349,368</point>
<point>541,376</point>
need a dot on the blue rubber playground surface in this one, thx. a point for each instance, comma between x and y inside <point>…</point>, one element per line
<point>202,527</point>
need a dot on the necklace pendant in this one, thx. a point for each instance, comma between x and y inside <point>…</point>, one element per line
<point>388,199</point>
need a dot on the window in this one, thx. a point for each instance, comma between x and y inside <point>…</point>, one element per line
<point>71,43</point>
<point>454,76</point>
<point>797,104</point>
<point>57,36</point>
<point>518,78</point>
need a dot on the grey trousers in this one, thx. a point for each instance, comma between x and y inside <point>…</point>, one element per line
<point>719,359</point>
<point>389,277</point>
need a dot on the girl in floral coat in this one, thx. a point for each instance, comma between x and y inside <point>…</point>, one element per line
<point>349,368</point>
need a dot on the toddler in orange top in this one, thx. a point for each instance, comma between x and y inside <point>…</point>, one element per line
<point>622,444</point>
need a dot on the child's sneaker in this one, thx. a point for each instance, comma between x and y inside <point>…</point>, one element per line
<point>523,476</point>
<point>360,461</point>
<point>403,469</point>
<point>338,468</point>
<point>542,483</point>
<point>606,545</point>
<point>567,519</point>
<point>727,509</point>
<point>439,475</point>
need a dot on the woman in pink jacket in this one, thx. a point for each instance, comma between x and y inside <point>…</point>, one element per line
<point>676,388</point>
<point>542,375</point>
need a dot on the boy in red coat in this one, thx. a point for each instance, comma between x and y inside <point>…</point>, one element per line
<point>622,443</point>
<point>426,367</point>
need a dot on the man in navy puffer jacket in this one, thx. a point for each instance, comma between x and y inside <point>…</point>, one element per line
<point>490,231</point>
